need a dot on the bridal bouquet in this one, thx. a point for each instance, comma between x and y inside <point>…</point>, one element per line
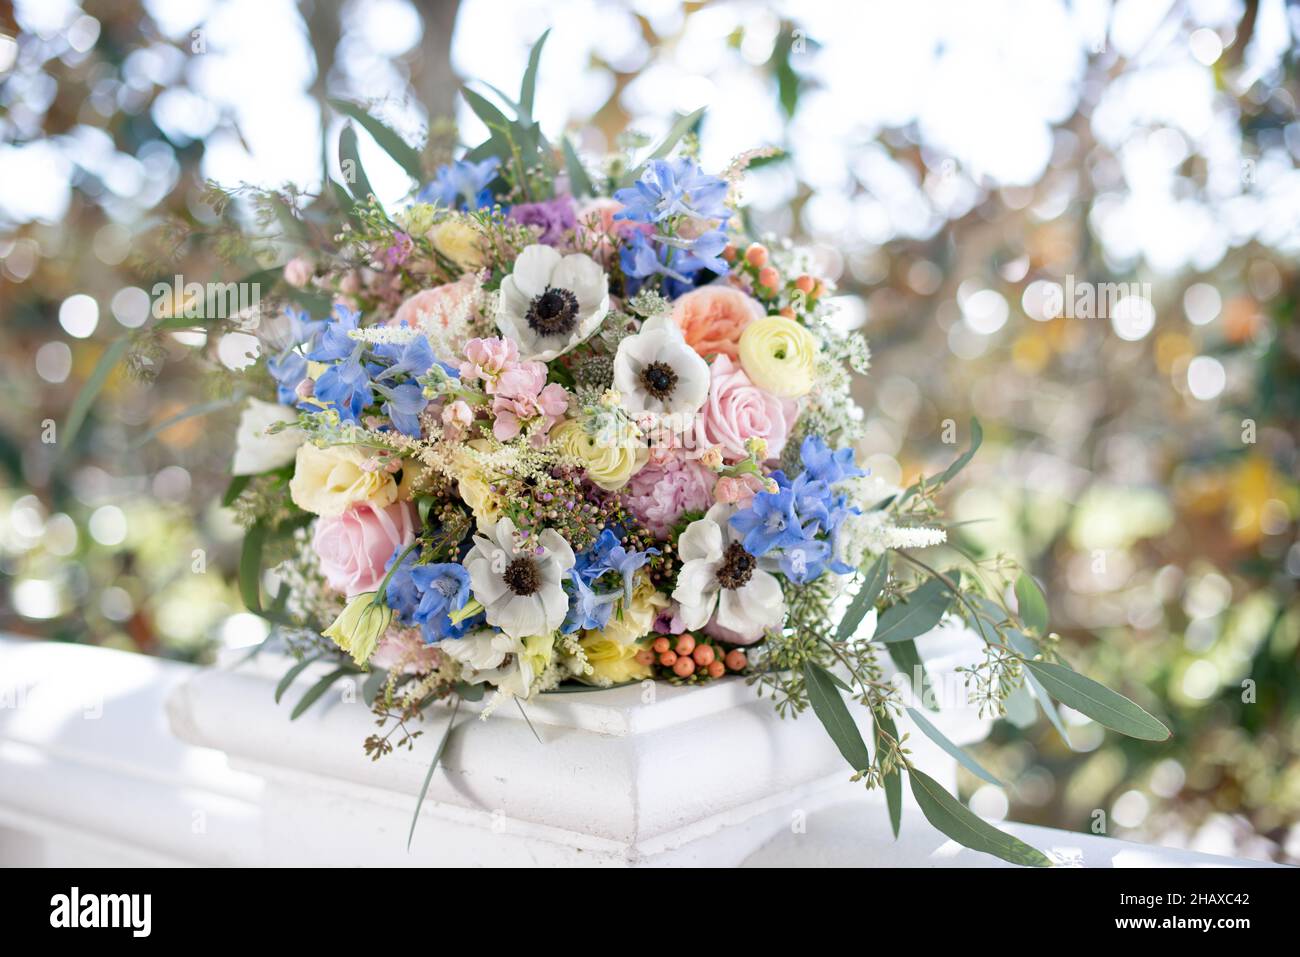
<point>556,425</point>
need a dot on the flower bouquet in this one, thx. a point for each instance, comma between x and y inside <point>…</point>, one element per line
<point>558,424</point>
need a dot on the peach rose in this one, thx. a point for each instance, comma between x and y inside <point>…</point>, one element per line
<point>737,410</point>
<point>434,307</point>
<point>354,547</point>
<point>713,317</point>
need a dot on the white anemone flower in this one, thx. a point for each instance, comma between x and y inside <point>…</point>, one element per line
<point>491,656</point>
<point>522,592</point>
<point>656,371</point>
<point>550,303</point>
<point>720,580</point>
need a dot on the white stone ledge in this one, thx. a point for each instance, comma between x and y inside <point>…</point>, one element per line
<point>91,773</point>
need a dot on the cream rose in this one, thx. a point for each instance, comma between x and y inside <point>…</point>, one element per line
<point>460,242</point>
<point>779,355</point>
<point>329,481</point>
<point>608,464</point>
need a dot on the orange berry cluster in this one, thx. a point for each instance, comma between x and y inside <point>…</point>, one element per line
<point>767,280</point>
<point>685,657</point>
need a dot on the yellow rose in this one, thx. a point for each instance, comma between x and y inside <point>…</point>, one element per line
<point>607,463</point>
<point>779,356</point>
<point>611,662</point>
<point>358,628</point>
<point>460,242</point>
<point>329,481</point>
<point>638,618</point>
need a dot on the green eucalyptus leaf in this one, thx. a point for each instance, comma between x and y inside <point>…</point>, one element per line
<point>250,568</point>
<point>349,157</point>
<point>824,695</point>
<point>1106,707</point>
<point>1032,603</point>
<point>953,818</point>
<point>918,613</point>
<point>681,126</point>
<point>893,781</point>
<point>528,88</point>
<point>292,674</point>
<point>433,766</point>
<point>942,740</point>
<point>872,585</point>
<point>89,392</point>
<point>319,688</point>
<point>908,661</point>
<point>405,155</point>
<point>579,181</point>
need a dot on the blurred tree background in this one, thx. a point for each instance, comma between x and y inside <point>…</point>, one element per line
<point>953,164</point>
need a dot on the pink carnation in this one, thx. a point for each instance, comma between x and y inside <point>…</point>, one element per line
<point>737,410</point>
<point>662,492</point>
<point>354,547</point>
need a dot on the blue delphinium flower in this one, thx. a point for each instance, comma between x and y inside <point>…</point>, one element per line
<point>404,404</point>
<point>334,342</point>
<point>587,609</point>
<point>425,595</point>
<point>287,369</point>
<point>610,555</point>
<point>806,560</point>
<point>462,184</point>
<point>770,522</point>
<point>411,358</point>
<point>826,465</point>
<point>672,188</point>
<point>346,387</point>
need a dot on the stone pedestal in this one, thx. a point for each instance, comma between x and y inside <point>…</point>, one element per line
<point>640,775</point>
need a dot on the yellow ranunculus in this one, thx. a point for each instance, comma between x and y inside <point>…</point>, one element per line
<point>636,619</point>
<point>608,464</point>
<point>779,356</point>
<point>360,626</point>
<point>460,242</point>
<point>611,662</point>
<point>329,481</point>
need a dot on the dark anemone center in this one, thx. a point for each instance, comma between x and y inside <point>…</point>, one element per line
<point>737,567</point>
<point>553,313</point>
<point>659,379</point>
<point>522,576</point>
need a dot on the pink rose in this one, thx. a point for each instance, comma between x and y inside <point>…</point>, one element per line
<point>713,317</point>
<point>737,410</point>
<point>436,306</point>
<point>661,492</point>
<point>404,648</point>
<point>354,547</point>
<point>488,359</point>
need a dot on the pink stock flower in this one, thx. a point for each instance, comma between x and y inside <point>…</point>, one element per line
<point>661,492</point>
<point>520,395</point>
<point>354,547</point>
<point>490,360</point>
<point>737,410</point>
<point>456,419</point>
